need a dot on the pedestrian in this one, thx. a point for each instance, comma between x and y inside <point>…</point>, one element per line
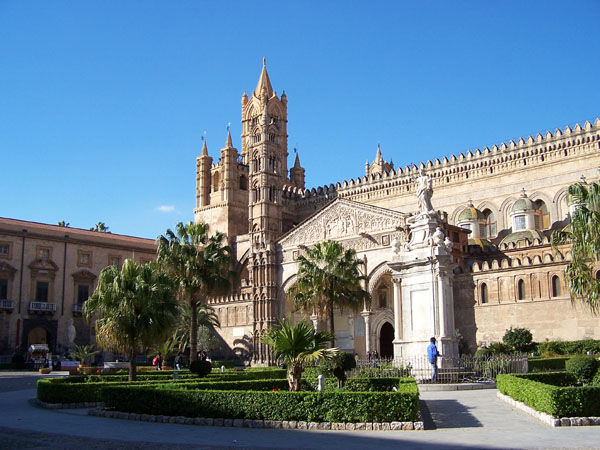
<point>157,361</point>
<point>178,362</point>
<point>432,356</point>
<point>369,356</point>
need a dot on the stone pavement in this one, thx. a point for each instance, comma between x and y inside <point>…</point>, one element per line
<point>455,419</point>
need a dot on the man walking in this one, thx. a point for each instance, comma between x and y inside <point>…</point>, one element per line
<point>432,355</point>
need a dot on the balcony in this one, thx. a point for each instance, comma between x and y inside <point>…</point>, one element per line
<point>77,309</point>
<point>6,305</point>
<point>42,307</point>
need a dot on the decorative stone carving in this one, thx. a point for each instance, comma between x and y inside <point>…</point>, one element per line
<point>345,218</point>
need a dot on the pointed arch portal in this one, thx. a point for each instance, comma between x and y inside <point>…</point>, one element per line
<point>386,338</point>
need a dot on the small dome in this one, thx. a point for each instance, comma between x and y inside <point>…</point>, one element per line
<point>524,203</point>
<point>470,213</point>
<point>530,235</point>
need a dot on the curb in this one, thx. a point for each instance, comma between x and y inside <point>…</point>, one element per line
<point>45,405</point>
<point>547,418</point>
<point>249,423</point>
<point>456,386</point>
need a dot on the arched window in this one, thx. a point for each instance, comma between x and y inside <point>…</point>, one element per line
<point>484,293</point>
<point>490,224</point>
<point>555,286</point>
<point>215,181</point>
<point>520,290</point>
<point>542,216</point>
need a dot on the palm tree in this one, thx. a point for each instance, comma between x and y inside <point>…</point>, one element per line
<point>199,264</point>
<point>328,277</point>
<point>134,308</point>
<point>583,233</point>
<point>206,317</point>
<point>298,345</point>
<point>100,227</point>
<point>62,223</point>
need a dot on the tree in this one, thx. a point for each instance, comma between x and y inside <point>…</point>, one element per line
<point>518,339</point>
<point>206,318</point>
<point>298,345</point>
<point>62,223</point>
<point>135,308</point>
<point>328,277</point>
<point>199,264</point>
<point>583,233</point>
<point>100,227</point>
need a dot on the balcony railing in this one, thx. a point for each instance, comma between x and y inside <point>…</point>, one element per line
<point>6,305</point>
<point>42,307</point>
<point>77,309</point>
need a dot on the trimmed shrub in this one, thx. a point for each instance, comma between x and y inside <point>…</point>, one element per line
<point>518,339</point>
<point>582,367</point>
<point>558,401</point>
<point>200,368</point>
<point>495,348</point>
<point>550,348</point>
<point>596,379</point>
<point>544,364</point>
<point>307,406</point>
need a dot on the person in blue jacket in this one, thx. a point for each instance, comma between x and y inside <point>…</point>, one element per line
<point>432,356</point>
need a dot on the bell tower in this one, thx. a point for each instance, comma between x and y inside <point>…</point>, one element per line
<point>264,150</point>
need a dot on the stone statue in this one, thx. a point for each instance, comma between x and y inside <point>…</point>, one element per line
<point>71,332</point>
<point>424,193</point>
<point>396,246</point>
<point>437,238</point>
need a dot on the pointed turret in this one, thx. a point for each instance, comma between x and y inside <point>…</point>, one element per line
<point>378,157</point>
<point>244,99</point>
<point>264,84</point>
<point>204,149</point>
<point>229,143</point>
<point>297,173</point>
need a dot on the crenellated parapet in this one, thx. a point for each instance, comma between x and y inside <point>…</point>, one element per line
<point>228,299</point>
<point>473,164</point>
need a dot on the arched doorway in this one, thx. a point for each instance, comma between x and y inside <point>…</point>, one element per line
<point>37,336</point>
<point>386,338</point>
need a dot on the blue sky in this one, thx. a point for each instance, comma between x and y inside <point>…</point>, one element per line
<point>103,104</point>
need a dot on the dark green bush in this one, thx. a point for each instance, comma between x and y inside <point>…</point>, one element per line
<point>582,367</point>
<point>549,348</point>
<point>558,401</point>
<point>518,339</point>
<point>340,364</point>
<point>308,406</point>
<point>200,368</point>
<point>495,348</point>
<point>596,379</point>
<point>544,364</point>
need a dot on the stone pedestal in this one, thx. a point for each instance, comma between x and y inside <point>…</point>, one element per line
<point>422,270</point>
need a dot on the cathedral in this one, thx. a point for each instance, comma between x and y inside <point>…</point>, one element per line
<point>457,248</point>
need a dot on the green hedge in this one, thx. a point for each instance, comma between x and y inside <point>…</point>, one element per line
<point>544,364</point>
<point>568,347</point>
<point>558,401</point>
<point>308,406</point>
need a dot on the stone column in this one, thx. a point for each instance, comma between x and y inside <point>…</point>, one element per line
<point>397,309</point>
<point>441,305</point>
<point>367,318</point>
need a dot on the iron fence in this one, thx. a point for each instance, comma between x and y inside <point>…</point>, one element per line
<point>450,370</point>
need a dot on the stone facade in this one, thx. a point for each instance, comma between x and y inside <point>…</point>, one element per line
<point>47,272</point>
<point>498,206</point>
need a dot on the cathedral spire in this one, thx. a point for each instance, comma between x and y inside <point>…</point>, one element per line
<point>264,84</point>
<point>229,143</point>
<point>204,149</point>
<point>297,162</point>
<point>378,157</point>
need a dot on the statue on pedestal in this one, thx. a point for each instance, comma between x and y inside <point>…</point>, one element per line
<point>424,193</point>
<point>71,333</point>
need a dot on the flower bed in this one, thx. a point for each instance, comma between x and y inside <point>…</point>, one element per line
<point>551,393</point>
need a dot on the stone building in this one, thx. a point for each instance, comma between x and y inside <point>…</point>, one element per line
<point>47,272</point>
<point>493,211</point>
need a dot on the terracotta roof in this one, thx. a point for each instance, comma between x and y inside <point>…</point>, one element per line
<point>15,225</point>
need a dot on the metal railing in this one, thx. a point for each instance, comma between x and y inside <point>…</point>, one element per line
<point>42,307</point>
<point>450,370</point>
<point>77,308</point>
<point>6,305</point>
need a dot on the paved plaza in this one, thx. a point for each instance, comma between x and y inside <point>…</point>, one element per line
<point>454,419</point>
